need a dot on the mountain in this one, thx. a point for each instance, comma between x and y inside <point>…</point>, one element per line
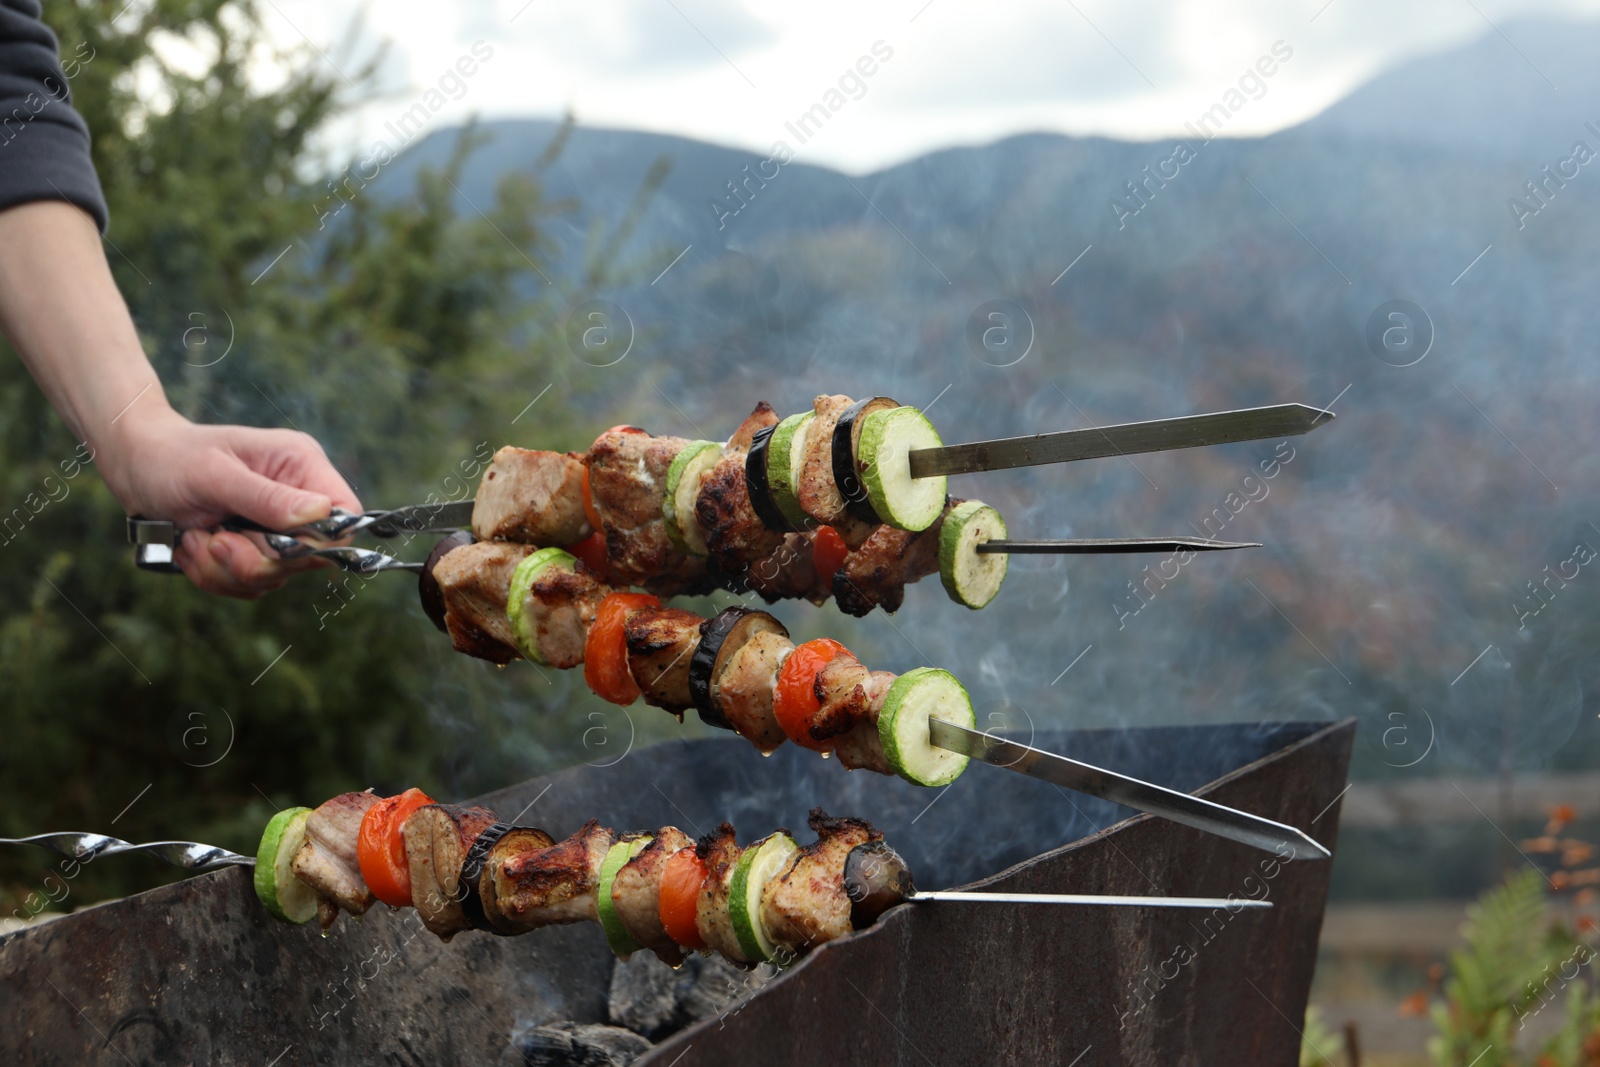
<point>1519,92</point>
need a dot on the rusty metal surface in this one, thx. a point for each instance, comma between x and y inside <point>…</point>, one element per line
<point>196,973</point>
<point>1059,985</point>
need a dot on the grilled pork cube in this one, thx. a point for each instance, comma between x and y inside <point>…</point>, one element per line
<point>759,419</point>
<point>437,837</point>
<point>735,536</point>
<point>744,690</point>
<point>861,748</point>
<point>532,497</point>
<point>661,643</point>
<point>327,860</point>
<point>819,495</point>
<point>785,573</point>
<point>876,573</point>
<point>808,904</point>
<point>548,886</point>
<point>562,604</point>
<point>720,853</point>
<point>627,477</point>
<point>474,581</point>
<point>841,695</point>
<point>636,893</point>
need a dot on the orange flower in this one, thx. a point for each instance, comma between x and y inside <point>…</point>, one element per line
<point>1414,1006</point>
<point>1560,815</point>
<point>1584,897</point>
<point>1575,852</point>
<point>1586,922</point>
<point>1561,880</point>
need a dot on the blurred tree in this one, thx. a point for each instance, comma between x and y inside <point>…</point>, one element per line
<point>402,335</point>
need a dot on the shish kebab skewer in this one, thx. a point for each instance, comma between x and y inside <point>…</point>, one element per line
<point>739,670</point>
<point>770,901</point>
<point>849,466</point>
<point>463,869</point>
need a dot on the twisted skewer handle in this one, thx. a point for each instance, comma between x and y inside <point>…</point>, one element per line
<point>190,855</point>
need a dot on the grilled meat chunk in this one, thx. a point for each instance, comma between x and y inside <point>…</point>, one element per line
<point>437,837</point>
<point>661,643</point>
<point>807,904</point>
<point>719,852</point>
<point>819,495</point>
<point>548,886</point>
<point>759,419</point>
<point>627,476</point>
<point>861,748</point>
<point>531,496</point>
<point>636,893</point>
<point>746,686</point>
<point>327,860</point>
<point>561,604</point>
<point>735,536</point>
<point>785,573</point>
<point>474,581</point>
<point>876,572</point>
<point>842,697</point>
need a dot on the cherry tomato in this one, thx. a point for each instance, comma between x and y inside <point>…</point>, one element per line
<point>795,704</point>
<point>828,551</point>
<point>381,848</point>
<point>605,649</point>
<point>681,881</point>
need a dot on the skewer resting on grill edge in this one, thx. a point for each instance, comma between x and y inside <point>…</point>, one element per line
<point>198,857</point>
<point>1185,808</point>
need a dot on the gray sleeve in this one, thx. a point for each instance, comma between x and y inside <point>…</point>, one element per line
<point>44,143</point>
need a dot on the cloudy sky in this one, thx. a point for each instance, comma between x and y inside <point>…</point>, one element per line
<point>958,72</point>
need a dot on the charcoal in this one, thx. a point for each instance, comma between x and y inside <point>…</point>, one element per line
<point>652,999</point>
<point>574,1045</point>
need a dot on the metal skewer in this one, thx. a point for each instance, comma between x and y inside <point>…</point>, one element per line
<point>1124,439</point>
<point>198,857</point>
<point>1086,898</point>
<point>190,855</point>
<point>1091,546</point>
<point>1206,815</point>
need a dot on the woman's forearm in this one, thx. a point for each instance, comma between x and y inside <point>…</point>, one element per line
<point>61,311</point>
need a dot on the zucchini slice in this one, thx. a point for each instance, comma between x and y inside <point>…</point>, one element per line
<point>914,698</point>
<point>284,895</point>
<point>786,454</point>
<point>883,456</point>
<point>848,465</point>
<point>720,637</point>
<point>969,576</point>
<point>522,580</point>
<point>688,467</point>
<point>758,864</point>
<point>617,856</point>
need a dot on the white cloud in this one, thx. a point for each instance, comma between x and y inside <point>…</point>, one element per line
<point>963,71</point>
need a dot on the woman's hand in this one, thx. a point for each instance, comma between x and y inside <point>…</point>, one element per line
<point>161,465</point>
<point>60,309</point>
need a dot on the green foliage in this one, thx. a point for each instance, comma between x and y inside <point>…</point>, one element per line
<point>1317,1042</point>
<point>402,335</point>
<point>1513,965</point>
